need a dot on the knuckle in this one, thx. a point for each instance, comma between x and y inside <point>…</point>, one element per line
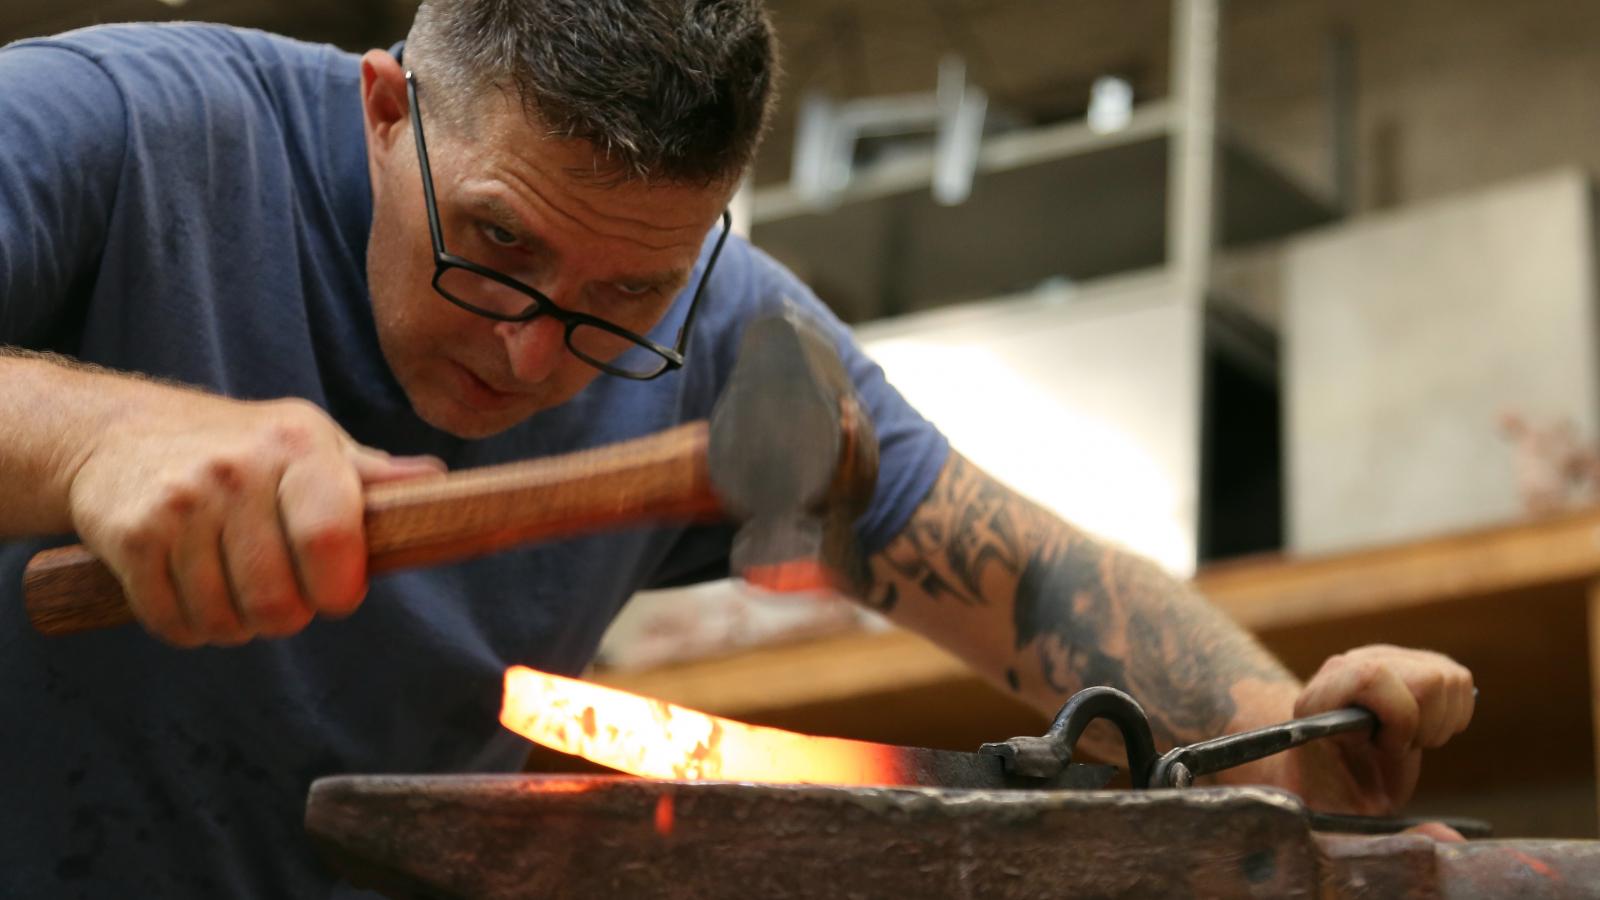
<point>1365,673</point>
<point>296,425</point>
<point>226,474</point>
<point>179,500</point>
<point>293,437</point>
<point>141,540</point>
<point>1429,684</point>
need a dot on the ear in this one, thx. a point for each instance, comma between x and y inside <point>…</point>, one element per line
<point>384,106</point>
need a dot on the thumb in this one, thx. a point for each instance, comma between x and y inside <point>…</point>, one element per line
<point>376,467</point>
<point>1438,831</point>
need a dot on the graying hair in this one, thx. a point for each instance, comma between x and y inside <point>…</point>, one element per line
<point>665,90</point>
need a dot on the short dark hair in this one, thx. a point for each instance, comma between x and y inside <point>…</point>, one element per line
<point>671,90</point>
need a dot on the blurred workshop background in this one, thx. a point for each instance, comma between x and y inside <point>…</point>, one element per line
<point>1296,296</point>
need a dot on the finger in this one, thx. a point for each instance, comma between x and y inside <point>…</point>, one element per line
<point>321,509</point>
<point>1399,714</point>
<point>1471,702</point>
<point>376,467</point>
<point>1445,690</point>
<point>1438,831</point>
<point>1448,713</point>
<point>258,567</point>
<point>201,586</point>
<point>1462,703</point>
<point>140,559</point>
<point>1455,699</point>
<point>1429,687</point>
<point>1332,687</point>
<point>151,596</point>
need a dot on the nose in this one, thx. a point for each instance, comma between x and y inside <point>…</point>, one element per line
<point>534,348</point>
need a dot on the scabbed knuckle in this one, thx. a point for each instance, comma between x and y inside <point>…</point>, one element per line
<point>227,475</point>
<point>179,499</point>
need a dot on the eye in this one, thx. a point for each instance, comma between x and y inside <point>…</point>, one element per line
<point>500,236</point>
<point>631,289</point>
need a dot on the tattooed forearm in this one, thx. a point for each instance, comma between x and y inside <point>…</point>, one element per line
<point>1094,614</point>
<point>964,534</point>
<point>1081,612</point>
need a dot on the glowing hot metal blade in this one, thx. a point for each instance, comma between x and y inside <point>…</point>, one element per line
<point>656,739</point>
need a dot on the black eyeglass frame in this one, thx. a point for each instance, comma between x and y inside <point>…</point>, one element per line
<point>443,261</point>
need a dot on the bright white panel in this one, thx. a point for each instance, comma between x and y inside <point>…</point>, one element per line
<point>1086,401</point>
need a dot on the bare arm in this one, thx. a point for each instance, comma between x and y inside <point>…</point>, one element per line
<point>223,519</point>
<point>1045,609</point>
<point>52,409</point>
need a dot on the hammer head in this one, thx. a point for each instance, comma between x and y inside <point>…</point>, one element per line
<point>794,456</point>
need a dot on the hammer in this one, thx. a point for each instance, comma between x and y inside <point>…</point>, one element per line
<point>788,451</point>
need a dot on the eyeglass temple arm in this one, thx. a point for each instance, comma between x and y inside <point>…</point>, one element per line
<point>422,161</point>
<point>694,302</point>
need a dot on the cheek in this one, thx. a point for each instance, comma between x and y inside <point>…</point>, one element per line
<point>399,268</point>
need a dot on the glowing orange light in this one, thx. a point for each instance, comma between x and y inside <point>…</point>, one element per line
<point>664,815</point>
<point>657,739</point>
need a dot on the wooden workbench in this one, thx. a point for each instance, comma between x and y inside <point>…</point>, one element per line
<point>1517,604</point>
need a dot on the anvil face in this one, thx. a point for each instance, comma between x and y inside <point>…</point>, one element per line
<point>525,836</point>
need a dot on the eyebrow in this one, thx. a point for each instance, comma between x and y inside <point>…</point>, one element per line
<point>505,217</point>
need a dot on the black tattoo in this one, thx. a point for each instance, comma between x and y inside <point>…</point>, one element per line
<point>1067,628</point>
<point>963,533</point>
<point>1084,613</point>
<point>1178,655</point>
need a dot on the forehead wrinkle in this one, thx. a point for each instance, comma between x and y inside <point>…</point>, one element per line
<point>509,124</point>
<point>511,175</point>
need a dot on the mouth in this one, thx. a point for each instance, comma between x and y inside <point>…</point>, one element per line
<point>479,394</point>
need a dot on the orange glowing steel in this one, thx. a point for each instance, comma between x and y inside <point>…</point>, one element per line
<point>657,739</point>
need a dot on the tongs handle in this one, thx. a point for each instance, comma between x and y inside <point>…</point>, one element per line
<point>1179,766</point>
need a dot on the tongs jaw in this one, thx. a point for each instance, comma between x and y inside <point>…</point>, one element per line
<point>1044,757</point>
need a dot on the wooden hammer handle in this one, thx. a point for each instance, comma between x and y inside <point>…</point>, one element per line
<point>452,517</point>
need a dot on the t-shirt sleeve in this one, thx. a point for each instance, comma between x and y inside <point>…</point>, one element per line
<point>62,132</point>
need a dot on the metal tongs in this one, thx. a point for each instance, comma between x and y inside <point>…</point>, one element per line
<point>1046,756</point>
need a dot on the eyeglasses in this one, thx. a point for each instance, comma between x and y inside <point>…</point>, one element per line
<point>613,343</point>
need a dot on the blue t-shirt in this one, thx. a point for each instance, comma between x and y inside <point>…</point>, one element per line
<point>193,202</point>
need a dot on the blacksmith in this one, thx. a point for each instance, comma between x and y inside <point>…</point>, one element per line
<point>220,321</point>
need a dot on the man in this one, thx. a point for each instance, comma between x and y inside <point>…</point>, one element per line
<point>475,250</point>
